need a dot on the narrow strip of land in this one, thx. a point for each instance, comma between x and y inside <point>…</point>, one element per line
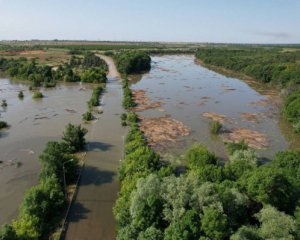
<point>91,214</point>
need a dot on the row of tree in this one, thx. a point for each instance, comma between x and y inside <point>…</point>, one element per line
<point>129,62</point>
<point>241,199</point>
<point>43,206</point>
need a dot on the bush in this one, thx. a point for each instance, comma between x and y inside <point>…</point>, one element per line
<point>215,127</point>
<point>21,95</point>
<point>3,124</point>
<point>74,137</point>
<point>37,95</point>
<point>129,62</point>
<point>88,116</point>
<point>123,116</point>
<point>4,103</point>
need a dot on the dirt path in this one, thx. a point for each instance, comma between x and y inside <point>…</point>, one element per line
<point>113,72</point>
<point>91,214</point>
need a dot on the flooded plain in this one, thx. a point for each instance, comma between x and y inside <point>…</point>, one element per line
<point>32,124</point>
<point>180,89</point>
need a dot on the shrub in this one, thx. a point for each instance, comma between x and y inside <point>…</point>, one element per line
<point>3,124</point>
<point>215,127</point>
<point>37,95</point>
<point>21,95</point>
<point>74,137</point>
<point>88,116</point>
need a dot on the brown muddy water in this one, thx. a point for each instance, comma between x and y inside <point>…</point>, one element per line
<point>188,90</point>
<point>32,124</point>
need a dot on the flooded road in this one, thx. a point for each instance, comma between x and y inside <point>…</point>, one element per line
<point>191,93</point>
<point>91,214</point>
<point>32,124</point>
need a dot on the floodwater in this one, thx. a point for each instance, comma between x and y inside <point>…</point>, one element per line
<point>187,90</point>
<point>32,124</point>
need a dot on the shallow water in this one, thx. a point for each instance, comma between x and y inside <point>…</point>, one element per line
<point>32,124</point>
<point>181,85</point>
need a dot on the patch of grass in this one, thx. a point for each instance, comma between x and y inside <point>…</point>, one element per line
<point>88,116</point>
<point>215,127</point>
<point>37,95</point>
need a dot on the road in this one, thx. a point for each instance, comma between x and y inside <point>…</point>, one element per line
<point>91,216</point>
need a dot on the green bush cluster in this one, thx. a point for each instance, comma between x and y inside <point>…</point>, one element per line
<point>37,94</point>
<point>215,127</point>
<point>43,206</point>
<point>3,125</point>
<point>129,62</point>
<point>291,109</point>
<point>90,68</point>
<point>239,200</point>
<point>127,95</point>
<point>95,98</point>
<point>87,116</point>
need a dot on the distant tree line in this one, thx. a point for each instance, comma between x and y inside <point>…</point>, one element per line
<point>43,206</point>
<point>90,68</point>
<point>129,62</point>
<point>269,65</point>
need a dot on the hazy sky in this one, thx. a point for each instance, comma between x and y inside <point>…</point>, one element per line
<point>250,21</point>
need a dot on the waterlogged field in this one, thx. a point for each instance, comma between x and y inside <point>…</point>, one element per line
<point>33,122</point>
<point>177,88</point>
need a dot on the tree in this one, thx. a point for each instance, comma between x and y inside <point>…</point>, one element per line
<point>198,156</point>
<point>26,227</point>
<point>214,223</point>
<point>269,185</point>
<point>240,162</point>
<point>53,157</point>
<point>7,232</point>
<point>246,233</point>
<point>74,137</point>
<point>151,233</point>
<point>275,224</point>
<point>44,204</point>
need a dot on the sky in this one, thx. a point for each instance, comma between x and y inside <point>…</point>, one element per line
<point>218,21</point>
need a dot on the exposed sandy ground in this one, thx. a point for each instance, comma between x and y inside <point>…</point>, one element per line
<point>112,69</point>
<point>253,138</point>
<point>215,116</point>
<point>163,130</point>
<point>142,101</point>
<point>249,117</point>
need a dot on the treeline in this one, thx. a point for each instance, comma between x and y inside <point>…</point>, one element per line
<point>129,62</point>
<point>242,199</point>
<point>42,209</point>
<point>269,65</point>
<point>265,64</point>
<point>128,101</point>
<point>90,68</point>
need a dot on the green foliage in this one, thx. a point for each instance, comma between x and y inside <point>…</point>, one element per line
<point>3,125</point>
<point>127,95</point>
<point>90,60</point>
<point>291,109</point>
<point>21,95</point>
<point>95,98</point>
<point>214,223</point>
<point>88,116</point>
<point>240,162</point>
<point>52,159</point>
<point>7,232</point>
<point>123,116</point>
<point>73,136</point>
<point>4,103</point>
<point>269,185</point>
<point>275,224</point>
<point>215,127</point>
<point>129,62</point>
<point>198,156</point>
<point>246,233</point>
<point>94,75</point>
<point>37,94</point>
<point>232,147</point>
<point>44,203</point>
